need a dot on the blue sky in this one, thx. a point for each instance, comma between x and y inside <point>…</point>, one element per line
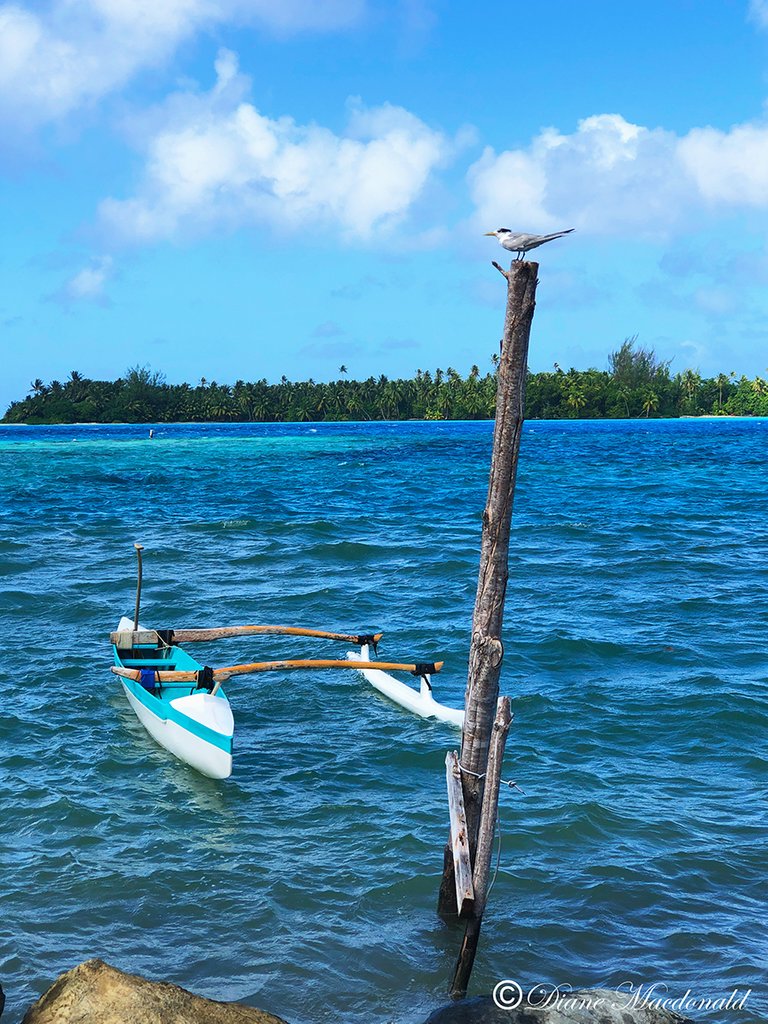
<point>242,188</point>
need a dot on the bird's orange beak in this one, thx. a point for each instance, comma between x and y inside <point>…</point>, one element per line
<point>489,233</point>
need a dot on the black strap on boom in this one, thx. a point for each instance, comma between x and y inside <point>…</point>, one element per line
<point>205,680</point>
<point>370,639</point>
<point>424,669</point>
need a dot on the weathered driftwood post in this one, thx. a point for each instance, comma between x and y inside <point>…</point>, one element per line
<point>486,650</point>
<point>482,868</point>
<point>462,866</point>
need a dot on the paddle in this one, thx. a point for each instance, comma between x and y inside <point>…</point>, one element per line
<point>127,638</point>
<point>220,674</point>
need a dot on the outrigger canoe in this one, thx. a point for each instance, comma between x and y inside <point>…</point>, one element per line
<point>185,717</point>
<point>181,703</point>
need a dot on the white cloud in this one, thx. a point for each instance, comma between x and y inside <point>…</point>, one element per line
<point>613,177</point>
<point>728,167</point>
<point>90,281</point>
<point>76,51</point>
<point>216,161</point>
<point>758,11</point>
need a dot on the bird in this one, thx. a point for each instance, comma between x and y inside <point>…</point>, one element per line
<point>521,243</point>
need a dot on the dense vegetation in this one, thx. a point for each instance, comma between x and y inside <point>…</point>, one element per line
<point>635,384</point>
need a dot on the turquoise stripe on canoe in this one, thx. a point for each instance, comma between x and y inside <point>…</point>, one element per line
<point>162,709</point>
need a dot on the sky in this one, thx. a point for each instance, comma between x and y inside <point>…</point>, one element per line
<point>238,189</point>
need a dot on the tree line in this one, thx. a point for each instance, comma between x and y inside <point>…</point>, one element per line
<point>635,384</point>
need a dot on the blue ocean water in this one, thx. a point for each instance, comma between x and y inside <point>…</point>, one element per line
<point>635,637</point>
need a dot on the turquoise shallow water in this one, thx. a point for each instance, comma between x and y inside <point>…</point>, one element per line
<point>635,655</point>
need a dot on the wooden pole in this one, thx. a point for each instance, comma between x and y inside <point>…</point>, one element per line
<point>139,549</point>
<point>490,809</point>
<point>482,867</point>
<point>486,651</point>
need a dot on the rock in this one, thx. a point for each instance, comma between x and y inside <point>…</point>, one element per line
<point>95,993</point>
<point>585,1006</point>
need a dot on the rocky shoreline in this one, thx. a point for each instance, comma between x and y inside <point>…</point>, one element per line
<point>94,992</point>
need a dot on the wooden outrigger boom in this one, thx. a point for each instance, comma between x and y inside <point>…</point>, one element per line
<point>220,674</point>
<point>130,638</point>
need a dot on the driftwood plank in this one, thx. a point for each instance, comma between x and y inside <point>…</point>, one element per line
<point>465,895</point>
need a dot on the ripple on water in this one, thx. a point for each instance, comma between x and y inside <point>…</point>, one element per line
<point>307,882</point>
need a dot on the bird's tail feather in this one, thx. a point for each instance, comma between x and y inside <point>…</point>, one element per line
<point>557,234</point>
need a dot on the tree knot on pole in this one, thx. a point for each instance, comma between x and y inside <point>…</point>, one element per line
<point>489,647</point>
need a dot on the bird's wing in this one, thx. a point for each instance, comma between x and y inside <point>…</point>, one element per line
<point>516,242</point>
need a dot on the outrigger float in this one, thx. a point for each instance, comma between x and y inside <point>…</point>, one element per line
<point>183,707</point>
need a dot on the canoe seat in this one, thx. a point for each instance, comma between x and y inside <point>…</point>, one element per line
<point>161,666</point>
<point>143,654</point>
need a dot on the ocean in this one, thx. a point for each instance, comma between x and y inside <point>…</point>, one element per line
<point>633,852</point>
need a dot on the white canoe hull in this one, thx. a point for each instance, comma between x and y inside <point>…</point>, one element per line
<point>420,702</point>
<point>178,721</point>
<point>197,753</point>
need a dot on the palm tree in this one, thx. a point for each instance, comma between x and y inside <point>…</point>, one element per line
<point>472,399</point>
<point>576,399</point>
<point>75,385</point>
<point>690,382</point>
<point>342,368</point>
<point>624,394</point>
<point>651,403</point>
<point>322,401</point>
<point>722,381</point>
